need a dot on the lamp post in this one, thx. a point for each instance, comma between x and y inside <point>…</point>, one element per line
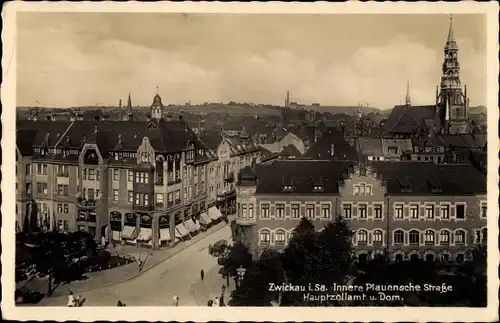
<point>241,274</point>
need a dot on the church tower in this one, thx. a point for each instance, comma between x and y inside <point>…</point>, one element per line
<point>452,102</point>
<point>157,107</point>
<point>129,113</point>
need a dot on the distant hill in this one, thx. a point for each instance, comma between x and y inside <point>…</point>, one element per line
<point>477,110</point>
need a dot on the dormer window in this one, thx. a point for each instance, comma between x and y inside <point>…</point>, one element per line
<point>435,185</point>
<point>405,185</point>
<point>317,182</point>
<point>318,188</point>
<point>287,184</point>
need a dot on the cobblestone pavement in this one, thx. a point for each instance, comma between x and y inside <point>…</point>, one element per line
<point>156,286</point>
<point>117,275</point>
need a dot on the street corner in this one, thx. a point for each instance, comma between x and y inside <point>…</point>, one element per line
<point>210,287</point>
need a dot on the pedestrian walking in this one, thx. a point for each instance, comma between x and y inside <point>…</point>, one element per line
<point>139,263</point>
<point>175,300</point>
<point>216,302</point>
<point>71,300</point>
<point>210,303</point>
<point>77,301</point>
<point>202,274</point>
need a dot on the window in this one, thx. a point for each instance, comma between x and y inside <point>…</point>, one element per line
<point>295,211</point>
<point>130,176</point>
<point>356,189</point>
<point>202,187</point>
<point>41,169</point>
<point>362,211</point>
<point>28,169</point>
<point>146,199</point>
<point>265,236</point>
<point>459,237</point>
<point>62,190</point>
<point>325,211</point>
<point>429,212</point>
<point>177,195</point>
<point>66,209</point>
<point>280,236</point>
<point>444,237</point>
<point>399,237</point>
<point>310,210</point>
<point>368,190</point>
<point>429,237</point>
<point>41,188</point>
<point>130,197</point>
<point>265,211</point>
<point>445,211</point>
<point>91,174</point>
<point>398,211</point>
<point>159,198</point>
<point>362,189</point>
<point>185,172</point>
<point>378,211</point>
<point>362,237</point>
<point>414,237</point>
<point>170,198</point>
<point>250,211</point>
<point>484,233</point>
<point>195,188</point>
<point>484,210</point>
<point>280,210</point>
<point>59,208</point>
<point>460,211</point>
<point>244,211</point>
<point>116,195</point>
<point>185,193</point>
<point>137,199</point>
<point>377,237</point>
<point>414,211</point>
<point>347,208</point>
<point>62,171</point>
<point>116,175</point>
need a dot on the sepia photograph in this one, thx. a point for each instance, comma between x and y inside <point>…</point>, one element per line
<point>238,156</point>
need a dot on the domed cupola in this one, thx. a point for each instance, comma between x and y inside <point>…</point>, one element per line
<point>247,177</point>
<point>157,107</point>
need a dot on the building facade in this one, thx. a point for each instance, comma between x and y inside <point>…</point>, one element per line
<point>129,181</point>
<point>407,209</point>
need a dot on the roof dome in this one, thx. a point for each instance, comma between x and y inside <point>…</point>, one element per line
<point>157,100</point>
<point>247,174</point>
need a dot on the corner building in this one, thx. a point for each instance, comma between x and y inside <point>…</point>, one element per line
<point>407,209</point>
<point>133,182</point>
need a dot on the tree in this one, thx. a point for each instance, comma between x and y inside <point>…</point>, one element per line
<point>57,255</point>
<point>237,257</point>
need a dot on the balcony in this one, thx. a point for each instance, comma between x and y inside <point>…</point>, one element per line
<point>159,205</point>
<point>83,203</point>
<point>86,216</point>
<point>246,221</point>
<point>229,177</point>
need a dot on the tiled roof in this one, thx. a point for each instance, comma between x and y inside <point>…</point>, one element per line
<point>212,139</point>
<point>321,149</point>
<point>290,150</point>
<point>301,175</point>
<point>463,141</point>
<point>455,179</point>
<point>24,140</point>
<point>370,146</point>
<point>406,119</point>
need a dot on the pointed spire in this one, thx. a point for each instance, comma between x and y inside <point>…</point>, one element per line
<point>157,89</point>
<point>451,35</point>
<point>407,99</point>
<point>129,102</point>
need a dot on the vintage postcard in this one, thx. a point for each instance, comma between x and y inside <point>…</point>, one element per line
<point>279,161</point>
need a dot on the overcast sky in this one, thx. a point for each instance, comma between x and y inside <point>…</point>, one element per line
<point>75,59</point>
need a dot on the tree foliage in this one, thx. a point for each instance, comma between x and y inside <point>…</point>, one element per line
<point>237,257</point>
<point>56,255</point>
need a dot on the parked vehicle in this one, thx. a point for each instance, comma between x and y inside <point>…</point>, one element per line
<point>218,248</point>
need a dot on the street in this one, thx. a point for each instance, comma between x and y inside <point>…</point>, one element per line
<point>179,274</point>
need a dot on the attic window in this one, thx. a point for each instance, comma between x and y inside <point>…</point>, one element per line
<point>405,185</point>
<point>317,182</point>
<point>392,149</point>
<point>287,184</point>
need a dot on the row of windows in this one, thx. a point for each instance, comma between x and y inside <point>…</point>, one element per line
<point>362,189</point>
<point>91,174</point>
<point>428,237</point>
<point>310,210</point>
<point>159,197</point>
<point>62,208</point>
<point>362,211</point>
<point>280,236</point>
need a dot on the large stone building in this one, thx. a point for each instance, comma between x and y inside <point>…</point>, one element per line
<point>448,115</point>
<point>131,181</point>
<point>403,208</point>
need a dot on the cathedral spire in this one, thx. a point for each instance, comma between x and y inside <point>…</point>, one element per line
<point>129,102</point>
<point>407,99</point>
<point>451,35</point>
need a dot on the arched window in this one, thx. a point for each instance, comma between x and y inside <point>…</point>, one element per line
<point>429,257</point>
<point>429,237</point>
<point>363,189</point>
<point>444,237</point>
<point>414,237</point>
<point>399,237</point>
<point>460,237</point>
<point>399,257</point>
<point>445,257</point>
<point>265,236</point>
<point>457,112</point>
<point>280,236</point>
<point>362,237</point>
<point>377,237</point>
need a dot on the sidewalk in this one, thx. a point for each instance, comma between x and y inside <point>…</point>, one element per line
<point>97,280</point>
<point>210,287</point>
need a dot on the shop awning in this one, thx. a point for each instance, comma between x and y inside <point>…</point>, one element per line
<point>181,231</point>
<point>165,234</point>
<point>189,224</point>
<point>145,235</point>
<point>129,232</point>
<point>214,213</point>
<point>115,235</point>
<point>196,225</point>
<point>204,219</point>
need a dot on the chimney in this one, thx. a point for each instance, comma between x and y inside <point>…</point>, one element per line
<point>120,103</point>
